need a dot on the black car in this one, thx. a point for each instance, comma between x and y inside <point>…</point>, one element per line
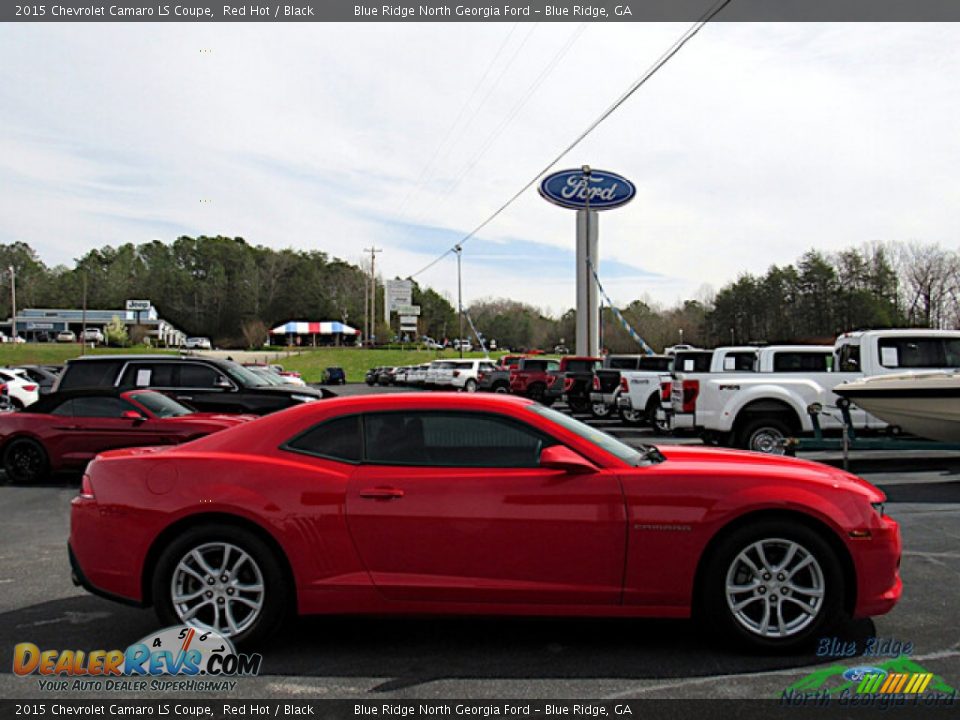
<point>372,375</point>
<point>205,384</point>
<point>334,376</point>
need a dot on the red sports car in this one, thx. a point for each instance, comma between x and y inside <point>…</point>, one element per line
<point>64,430</point>
<point>481,504</point>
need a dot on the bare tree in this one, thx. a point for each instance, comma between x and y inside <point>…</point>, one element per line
<point>930,276</point>
<point>255,333</point>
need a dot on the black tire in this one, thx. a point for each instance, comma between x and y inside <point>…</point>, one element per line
<point>600,411</point>
<point>633,418</point>
<point>717,610</point>
<point>501,388</point>
<point>17,403</point>
<point>579,405</point>
<point>275,599</point>
<point>25,461</point>
<point>536,392</point>
<point>470,386</point>
<point>764,434</point>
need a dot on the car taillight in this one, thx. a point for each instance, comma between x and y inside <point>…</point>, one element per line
<point>86,488</point>
<point>665,389</point>
<point>596,383</point>
<point>29,388</point>
<point>567,384</point>
<point>691,388</point>
<point>551,379</point>
<point>456,373</point>
<point>481,375</point>
<point>624,385</point>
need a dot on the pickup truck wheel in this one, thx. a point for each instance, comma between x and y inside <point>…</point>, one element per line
<point>503,389</point>
<point>578,406</point>
<point>536,392</point>
<point>600,410</point>
<point>765,435</point>
<point>633,418</point>
<point>773,585</point>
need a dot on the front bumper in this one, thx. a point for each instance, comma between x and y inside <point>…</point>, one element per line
<point>877,561</point>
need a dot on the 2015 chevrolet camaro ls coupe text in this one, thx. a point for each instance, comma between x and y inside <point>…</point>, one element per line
<point>479,504</point>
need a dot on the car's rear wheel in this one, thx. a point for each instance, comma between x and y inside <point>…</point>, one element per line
<point>223,578</point>
<point>470,386</point>
<point>774,585</point>
<point>25,461</point>
<point>502,389</point>
<point>765,435</point>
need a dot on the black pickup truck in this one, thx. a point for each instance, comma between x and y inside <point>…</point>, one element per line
<point>572,382</point>
<point>606,380</point>
<point>498,379</point>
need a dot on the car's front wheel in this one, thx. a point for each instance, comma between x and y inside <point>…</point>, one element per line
<point>25,461</point>
<point>223,578</point>
<point>774,585</point>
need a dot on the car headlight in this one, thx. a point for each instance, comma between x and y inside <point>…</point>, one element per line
<point>879,507</point>
<point>304,398</point>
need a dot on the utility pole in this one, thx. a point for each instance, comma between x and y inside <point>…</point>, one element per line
<point>13,303</point>
<point>459,250</point>
<point>373,291</point>
<point>83,333</point>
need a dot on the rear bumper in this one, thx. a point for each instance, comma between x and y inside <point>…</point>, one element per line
<point>105,557</point>
<point>599,397</point>
<point>80,580</point>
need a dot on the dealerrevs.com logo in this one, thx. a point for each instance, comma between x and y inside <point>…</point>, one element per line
<point>177,659</point>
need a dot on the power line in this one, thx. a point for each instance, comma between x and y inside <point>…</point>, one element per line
<point>650,72</point>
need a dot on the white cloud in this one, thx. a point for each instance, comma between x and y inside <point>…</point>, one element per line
<point>755,143</point>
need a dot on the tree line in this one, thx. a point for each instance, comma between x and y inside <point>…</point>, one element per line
<point>233,291</point>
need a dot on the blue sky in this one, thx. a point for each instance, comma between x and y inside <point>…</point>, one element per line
<point>755,143</point>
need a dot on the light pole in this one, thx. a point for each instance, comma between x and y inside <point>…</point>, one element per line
<point>13,303</point>
<point>459,250</point>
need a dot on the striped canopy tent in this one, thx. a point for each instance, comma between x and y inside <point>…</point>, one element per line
<point>314,329</point>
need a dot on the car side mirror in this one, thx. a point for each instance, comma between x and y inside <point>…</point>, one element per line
<point>560,457</point>
<point>223,383</point>
<point>132,415</point>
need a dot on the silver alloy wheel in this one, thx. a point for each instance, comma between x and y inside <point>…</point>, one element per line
<point>632,416</point>
<point>220,586</point>
<point>775,588</point>
<point>471,386</point>
<point>600,410</point>
<point>768,440</point>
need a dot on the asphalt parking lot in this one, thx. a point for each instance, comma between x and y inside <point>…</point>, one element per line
<point>382,658</point>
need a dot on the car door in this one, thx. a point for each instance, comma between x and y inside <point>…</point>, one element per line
<point>453,507</point>
<point>97,425</point>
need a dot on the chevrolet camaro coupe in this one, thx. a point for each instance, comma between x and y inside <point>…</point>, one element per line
<point>477,504</point>
<point>64,430</point>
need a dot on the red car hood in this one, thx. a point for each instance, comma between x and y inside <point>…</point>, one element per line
<point>731,464</point>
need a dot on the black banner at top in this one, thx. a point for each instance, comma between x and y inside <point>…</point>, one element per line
<point>479,11</point>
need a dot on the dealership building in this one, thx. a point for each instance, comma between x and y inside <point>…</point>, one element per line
<point>38,324</point>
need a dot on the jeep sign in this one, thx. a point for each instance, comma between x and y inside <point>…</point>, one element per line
<point>602,190</point>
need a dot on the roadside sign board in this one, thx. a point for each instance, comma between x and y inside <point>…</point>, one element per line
<point>407,309</point>
<point>138,305</point>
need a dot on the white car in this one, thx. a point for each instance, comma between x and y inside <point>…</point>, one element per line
<point>198,343</point>
<point>463,374</point>
<point>21,389</point>
<point>93,335</point>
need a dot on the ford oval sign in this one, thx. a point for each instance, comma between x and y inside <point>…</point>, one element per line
<point>601,190</point>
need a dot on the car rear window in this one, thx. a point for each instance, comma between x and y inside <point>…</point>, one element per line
<point>802,362</point>
<point>623,363</point>
<point>338,439</point>
<point>581,365</point>
<point>919,352</point>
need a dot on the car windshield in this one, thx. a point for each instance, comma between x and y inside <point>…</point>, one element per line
<point>159,404</point>
<point>243,375</point>
<point>606,442</point>
<point>269,375</point>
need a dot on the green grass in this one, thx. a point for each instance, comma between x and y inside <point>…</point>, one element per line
<point>356,361</point>
<point>309,362</point>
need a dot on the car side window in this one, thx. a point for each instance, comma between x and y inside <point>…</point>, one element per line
<point>63,409</point>
<point>451,439</point>
<point>101,407</point>
<point>193,375</point>
<point>149,375</point>
<point>340,439</point>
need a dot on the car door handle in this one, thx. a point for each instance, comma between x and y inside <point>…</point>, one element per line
<point>382,493</point>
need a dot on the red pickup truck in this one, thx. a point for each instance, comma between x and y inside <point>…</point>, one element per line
<point>530,378</point>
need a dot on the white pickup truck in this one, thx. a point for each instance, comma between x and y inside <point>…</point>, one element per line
<point>759,409</point>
